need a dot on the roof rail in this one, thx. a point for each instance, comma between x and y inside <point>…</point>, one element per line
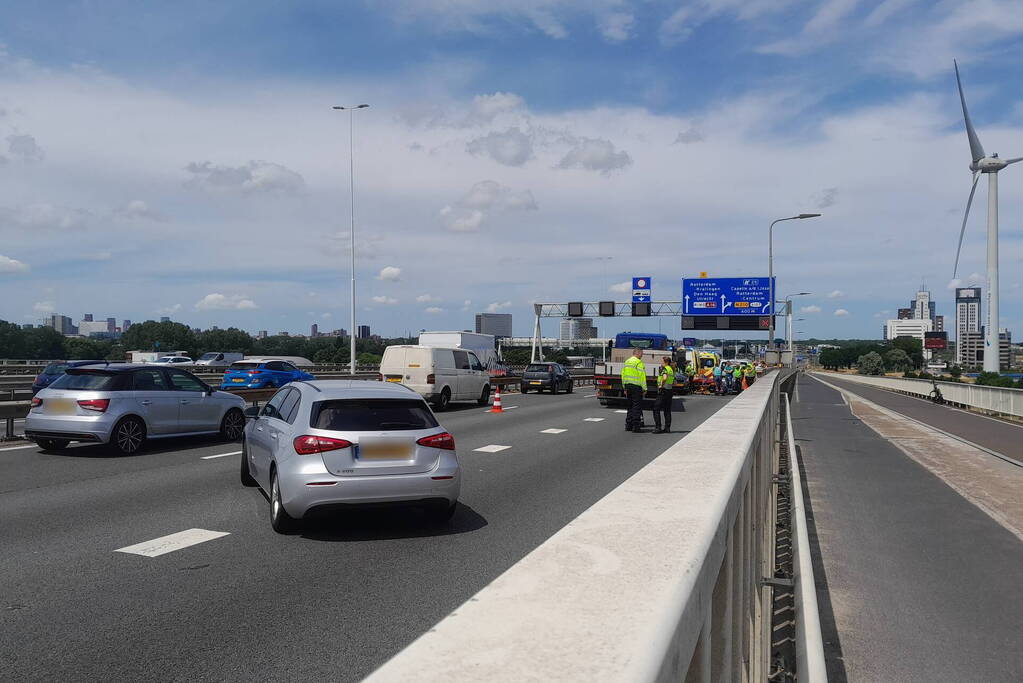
<point>302,381</point>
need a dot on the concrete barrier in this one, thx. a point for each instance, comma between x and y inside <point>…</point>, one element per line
<point>989,400</point>
<point>659,580</point>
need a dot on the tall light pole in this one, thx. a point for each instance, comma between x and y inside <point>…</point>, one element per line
<point>788,319</point>
<point>770,265</point>
<point>792,322</point>
<point>351,171</point>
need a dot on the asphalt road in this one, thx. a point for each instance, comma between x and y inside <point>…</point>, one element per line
<point>998,435</point>
<point>915,583</point>
<point>331,603</point>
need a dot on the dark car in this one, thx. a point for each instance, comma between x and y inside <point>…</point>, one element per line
<point>551,376</point>
<point>54,370</point>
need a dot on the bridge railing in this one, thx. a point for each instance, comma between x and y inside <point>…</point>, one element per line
<point>662,579</point>
<point>992,400</point>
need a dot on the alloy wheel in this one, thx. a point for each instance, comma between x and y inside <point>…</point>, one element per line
<point>129,436</point>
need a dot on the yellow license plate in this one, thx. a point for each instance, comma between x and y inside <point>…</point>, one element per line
<point>384,449</point>
<point>236,379</point>
<point>535,382</point>
<point>394,379</point>
<point>59,406</point>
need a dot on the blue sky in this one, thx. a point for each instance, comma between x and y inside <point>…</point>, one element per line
<point>182,158</point>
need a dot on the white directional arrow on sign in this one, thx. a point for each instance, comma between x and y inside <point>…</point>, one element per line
<point>723,304</point>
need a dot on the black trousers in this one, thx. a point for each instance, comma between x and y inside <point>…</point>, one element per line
<point>634,418</point>
<point>662,405</point>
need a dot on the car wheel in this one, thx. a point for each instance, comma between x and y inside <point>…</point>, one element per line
<point>484,398</point>
<point>52,444</point>
<point>128,436</point>
<point>604,402</point>
<point>280,520</point>
<point>233,425</point>
<point>523,389</point>
<point>246,476</point>
<point>571,386</point>
<point>554,387</point>
<point>441,514</point>
<point>445,399</point>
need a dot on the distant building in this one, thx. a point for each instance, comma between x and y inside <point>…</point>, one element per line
<point>364,332</point>
<point>125,325</point>
<point>497,324</point>
<point>939,323</point>
<point>165,319</point>
<point>577,328</point>
<point>314,331</point>
<point>87,317</point>
<point>62,324</point>
<point>923,307</point>
<point>89,328</point>
<point>970,346</point>
<point>283,333</point>
<point>905,314</point>
<point>262,334</point>
<point>914,328</point>
<point>967,319</point>
<point>27,326</point>
<point>111,325</point>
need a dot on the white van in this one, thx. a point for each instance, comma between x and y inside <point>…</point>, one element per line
<point>439,375</point>
<point>216,359</point>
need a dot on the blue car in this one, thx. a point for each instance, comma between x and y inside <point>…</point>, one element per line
<point>54,370</point>
<point>261,374</point>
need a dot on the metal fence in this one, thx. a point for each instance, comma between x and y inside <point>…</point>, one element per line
<point>993,400</point>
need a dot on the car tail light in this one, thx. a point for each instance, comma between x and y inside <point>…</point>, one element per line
<point>255,372</point>
<point>602,382</point>
<point>444,441</point>
<point>380,377</point>
<point>36,402</point>
<point>309,445</point>
<point>98,405</point>
<point>38,379</point>
<point>431,379</point>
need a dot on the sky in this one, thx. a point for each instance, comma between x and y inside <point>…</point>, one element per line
<point>184,159</point>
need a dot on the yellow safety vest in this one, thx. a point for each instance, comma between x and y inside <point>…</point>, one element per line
<point>666,377</point>
<point>634,372</point>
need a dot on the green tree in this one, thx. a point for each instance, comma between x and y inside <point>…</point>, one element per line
<point>870,364</point>
<point>955,371</point>
<point>231,340</point>
<point>80,348</point>
<point>12,341</point>
<point>832,359</point>
<point>897,360</point>
<point>913,348</point>
<point>163,337</point>
<point>44,343</point>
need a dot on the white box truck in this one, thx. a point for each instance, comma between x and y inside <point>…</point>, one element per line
<point>483,345</point>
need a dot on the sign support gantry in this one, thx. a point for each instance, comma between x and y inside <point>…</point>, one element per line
<point>594,309</point>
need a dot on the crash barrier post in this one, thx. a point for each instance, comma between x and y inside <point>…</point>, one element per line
<point>983,399</point>
<point>662,579</point>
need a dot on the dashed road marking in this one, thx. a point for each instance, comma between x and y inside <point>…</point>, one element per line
<point>622,412</point>
<point>18,448</point>
<point>492,448</point>
<point>220,455</point>
<point>172,542</point>
<point>552,431</point>
<point>593,419</point>
<point>510,407</point>
<point>589,395</point>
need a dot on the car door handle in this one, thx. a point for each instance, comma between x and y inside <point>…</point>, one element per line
<point>146,402</point>
<point>184,402</point>
<point>259,429</point>
<point>273,435</point>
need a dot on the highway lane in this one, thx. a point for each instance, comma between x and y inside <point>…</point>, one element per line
<point>332,602</point>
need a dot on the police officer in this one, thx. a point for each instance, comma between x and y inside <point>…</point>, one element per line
<point>665,392</point>
<point>634,384</point>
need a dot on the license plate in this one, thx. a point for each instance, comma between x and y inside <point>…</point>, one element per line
<point>394,379</point>
<point>384,449</point>
<point>59,406</point>
<point>535,382</point>
<point>237,380</point>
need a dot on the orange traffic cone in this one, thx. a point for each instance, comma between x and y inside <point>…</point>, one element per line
<point>745,386</point>
<point>497,401</point>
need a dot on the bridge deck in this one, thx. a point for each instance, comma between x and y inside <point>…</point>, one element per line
<point>916,582</point>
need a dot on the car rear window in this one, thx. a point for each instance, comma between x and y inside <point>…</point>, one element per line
<point>375,414</point>
<point>55,369</point>
<point>243,366</point>
<point>538,368</point>
<point>91,380</point>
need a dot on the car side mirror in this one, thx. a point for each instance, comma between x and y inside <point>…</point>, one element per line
<point>252,412</point>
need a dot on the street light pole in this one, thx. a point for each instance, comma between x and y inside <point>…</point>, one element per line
<point>351,172</point>
<point>770,266</point>
<point>788,319</point>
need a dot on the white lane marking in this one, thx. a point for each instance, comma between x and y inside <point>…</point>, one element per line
<point>220,455</point>
<point>18,448</point>
<point>593,419</point>
<point>623,412</point>
<point>552,431</point>
<point>511,407</point>
<point>492,448</point>
<point>589,395</point>
<point>168,544</point>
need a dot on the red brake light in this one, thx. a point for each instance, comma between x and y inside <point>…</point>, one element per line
<point>431,379</point>
<point>36,402</point>
<point>444,441</point>
<point>38,379</point>
<point>380,377</point>
<point>255,372</point>
<point>308,445</point>
<point>98,405</point>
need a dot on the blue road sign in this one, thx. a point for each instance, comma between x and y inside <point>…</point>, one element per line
<point>726,296</point>
<point>640,290</point>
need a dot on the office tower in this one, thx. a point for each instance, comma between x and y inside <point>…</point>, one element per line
<point>363,332</point>
<point>967,320</point>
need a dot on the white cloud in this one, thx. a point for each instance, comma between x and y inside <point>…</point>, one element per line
<point>466,305</point>
<point>841,312</point>
<point>137,208</point>
<point>511,148</point>
<point>461,220</point>
<point>24,148</point>
<point>953,283</point>
<point>617,26</point>
<point>486,108</point>
<point>882,314</point>
<point>252,177</point>
<point>385,300</point>
<point>326,316</point>
<point>45,216</point>
<point>810,309</point>
<point>689,136</point>
<point>169,310</point>
<point>594,154</point>
<point>497,306</point>
<point>482,200</point>
<point>433,309</point>
<point>825,198</point>
<point>427,299</point>
<point>10,265</point>
<point>44,307</point>
<point>389,274</point>
<point>836,294</point>
<point>221,302</point>
<point>621,287</point>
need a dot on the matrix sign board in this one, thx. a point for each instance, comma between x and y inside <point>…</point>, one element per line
<point>640,290</point>
<point>936,341</point>
<point>746,296</point>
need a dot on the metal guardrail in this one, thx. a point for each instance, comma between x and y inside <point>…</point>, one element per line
<point>662,579</point>
<point>985,399</point>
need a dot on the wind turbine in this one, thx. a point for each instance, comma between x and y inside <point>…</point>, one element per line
<point>990,165</point>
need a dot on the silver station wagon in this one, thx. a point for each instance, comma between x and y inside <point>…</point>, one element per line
<point>319,445</point>
<point>125,405</point>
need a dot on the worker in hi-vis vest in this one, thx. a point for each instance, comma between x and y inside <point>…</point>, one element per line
<point>665,392</point>
<point>634,384</point>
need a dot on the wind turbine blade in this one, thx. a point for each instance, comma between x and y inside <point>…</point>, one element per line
<point>976,149</point>
<point>1012,161</point>
<point>966,217</point>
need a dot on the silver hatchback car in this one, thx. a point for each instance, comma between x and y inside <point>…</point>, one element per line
<point>318,445</point>
<point>124,405</point>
